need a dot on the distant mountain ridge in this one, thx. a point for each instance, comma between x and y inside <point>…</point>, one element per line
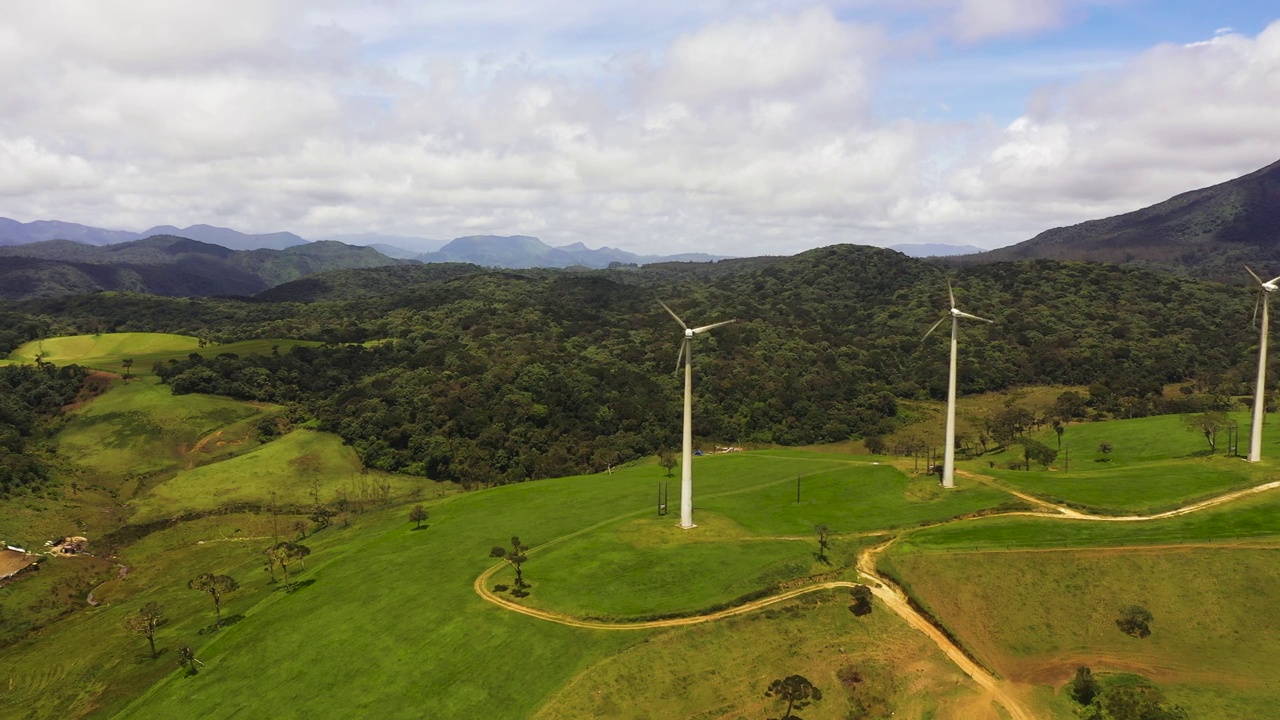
<point>168,265</point>
<point>1206,233</point>
<point>13,233</point>
<point>524,251</point>
<point>919,250</point>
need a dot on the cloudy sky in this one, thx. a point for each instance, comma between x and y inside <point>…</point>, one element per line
<point>736,127</point>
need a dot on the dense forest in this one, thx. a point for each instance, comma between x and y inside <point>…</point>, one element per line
<point>487,376</point>
<point>31,396</point>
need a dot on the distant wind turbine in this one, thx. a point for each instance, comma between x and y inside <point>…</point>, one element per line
<point>949,459</point>
<point>686,466</point>
<point>1266,287</point>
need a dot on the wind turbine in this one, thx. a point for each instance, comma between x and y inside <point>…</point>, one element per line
<point>949,459</point>
<point>1264,298</point>
<point>686,466</point>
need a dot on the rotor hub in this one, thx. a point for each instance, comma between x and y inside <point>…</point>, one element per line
<point>688,332</point>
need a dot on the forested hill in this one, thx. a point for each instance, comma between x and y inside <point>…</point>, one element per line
<point>167,265</point>
<point>501,376</point>
<point>1206,233</point>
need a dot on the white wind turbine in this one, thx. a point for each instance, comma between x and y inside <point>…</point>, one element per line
<point>686,465</point>
<point>949,458</point>
<point>1266,288</point>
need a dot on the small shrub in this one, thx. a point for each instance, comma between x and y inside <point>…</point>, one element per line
<point>1135,621</point>
<point>861,600</point>
<point>500,588</point>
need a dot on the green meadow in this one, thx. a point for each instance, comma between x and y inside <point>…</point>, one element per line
<point>1155,465</point>
<point>385,621</point>
<point>1035,617</point>
<point>106,351</point>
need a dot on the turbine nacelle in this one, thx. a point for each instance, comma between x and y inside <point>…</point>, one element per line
<point>1267,285</point>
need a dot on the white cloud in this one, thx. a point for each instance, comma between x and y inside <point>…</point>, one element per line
<point>1175,118</point>
<point>976,20</point>
<point>739,131</point>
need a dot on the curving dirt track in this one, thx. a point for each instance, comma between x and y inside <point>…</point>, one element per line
<point>890,594</point>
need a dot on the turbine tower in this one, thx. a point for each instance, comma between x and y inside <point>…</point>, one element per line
<point>686,465</point>
<point>949,457</point>
<point>1266,287</point>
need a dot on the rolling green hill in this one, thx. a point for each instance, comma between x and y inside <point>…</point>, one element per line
<point>177,485</point>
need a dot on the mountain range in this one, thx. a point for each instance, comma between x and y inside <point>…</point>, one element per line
<point>168,265</point>
<point>13,232</point>
<point>1206,233</point>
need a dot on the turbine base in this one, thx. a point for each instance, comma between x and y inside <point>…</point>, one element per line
<point>687,527</point>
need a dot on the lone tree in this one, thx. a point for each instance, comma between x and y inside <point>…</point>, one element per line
<point>1207,424</point>
<point>128,365</point>
<point>823,543</point>
<point>861,600</point>
<point>667,461</point>
<point>1135,620</point>
<point>417,515</point>
<point>1084,687</point>
<point>515,557</point>
<point>1105,448</point>
<point>283,554</point>
<point>187,659</point>
<point>144,622</point>
<point>216,586</point>
<point>796,691</point>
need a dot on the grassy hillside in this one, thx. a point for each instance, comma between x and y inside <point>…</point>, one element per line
<point>1036,617</point>
<point>105,351</point>
<point>287,471</point>
<point>392,610</point>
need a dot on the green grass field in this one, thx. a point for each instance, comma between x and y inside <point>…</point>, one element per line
<point>1156,465</point>
<point>390,612</point>
<point>139,428</point>
<point>1246,519</point>
<point>287,467</point>
<point>106,351</point>
<point>1036,616</point>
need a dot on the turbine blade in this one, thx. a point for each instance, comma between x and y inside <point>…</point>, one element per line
<point>1254,274</point>
<point>680,355</point>
<point>677,317</point>
<point>951,294</point>
<point>705,328</point>
<point>973,317</point>
<point>935,327</point>
<point>1273,280</point>
<point>1256,302</point>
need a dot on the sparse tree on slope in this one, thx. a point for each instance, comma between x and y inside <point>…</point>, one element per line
<point>516,558</point>
<point>796,691</point>
<point>417,515</point>
<point>216,586</point>
<point>145,621</point>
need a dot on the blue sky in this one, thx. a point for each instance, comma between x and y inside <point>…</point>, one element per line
<point>667,126</point>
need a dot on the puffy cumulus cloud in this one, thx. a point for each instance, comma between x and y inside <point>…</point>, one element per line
<point>740,132</point>
<point>1175,118</point>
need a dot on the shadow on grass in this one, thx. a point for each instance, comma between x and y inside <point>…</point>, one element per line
<point>416,529</point>
<point>294,587</point>
<point>143,658</point>
<point>227,621</point>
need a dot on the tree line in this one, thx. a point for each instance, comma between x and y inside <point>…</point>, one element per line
<point>498,376</point>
